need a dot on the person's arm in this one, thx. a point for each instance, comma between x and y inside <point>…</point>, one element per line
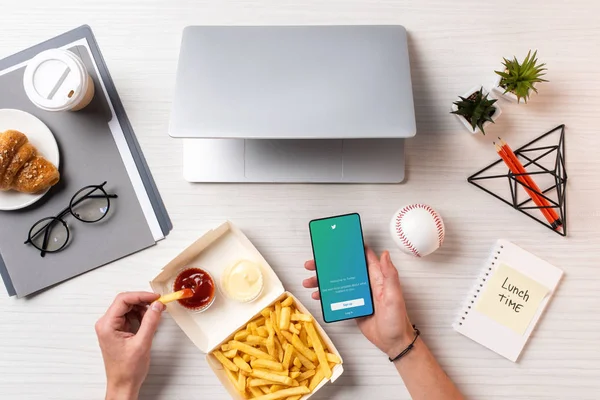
<point>389,329</point>
<point>423,376</point>
<point>126,349</point>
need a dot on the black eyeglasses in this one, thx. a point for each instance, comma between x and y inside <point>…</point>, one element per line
<point>89,205</point>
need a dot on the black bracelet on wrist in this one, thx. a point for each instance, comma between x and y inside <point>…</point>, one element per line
<point>409,348</point>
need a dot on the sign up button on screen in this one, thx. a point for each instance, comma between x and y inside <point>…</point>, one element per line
<point>342,305</point>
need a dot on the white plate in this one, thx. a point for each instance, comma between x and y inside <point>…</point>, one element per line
<point>41,137</point>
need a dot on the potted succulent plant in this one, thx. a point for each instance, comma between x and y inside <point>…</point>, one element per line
<point>518,79</point>
<point>476,110</point>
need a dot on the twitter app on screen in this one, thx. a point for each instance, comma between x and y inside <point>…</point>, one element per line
<point>338,250</point>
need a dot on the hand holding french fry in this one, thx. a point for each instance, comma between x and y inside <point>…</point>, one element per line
<point>389,328</point>
<point>288,363</point>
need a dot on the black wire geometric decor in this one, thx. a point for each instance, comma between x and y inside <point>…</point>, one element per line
<point>544,160</point>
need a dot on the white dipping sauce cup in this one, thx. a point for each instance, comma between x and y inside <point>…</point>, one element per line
<point>57,80</point>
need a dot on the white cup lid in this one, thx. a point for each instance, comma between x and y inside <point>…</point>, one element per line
<point>55,80</point>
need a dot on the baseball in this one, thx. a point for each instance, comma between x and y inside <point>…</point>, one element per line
<point>417,229</point>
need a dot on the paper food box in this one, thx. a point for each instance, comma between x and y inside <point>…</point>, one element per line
<point>208,330</point>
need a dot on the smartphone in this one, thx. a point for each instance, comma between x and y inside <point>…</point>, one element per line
<point>341,266</point>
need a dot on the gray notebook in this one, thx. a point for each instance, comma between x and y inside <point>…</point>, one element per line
<point>91,153</point>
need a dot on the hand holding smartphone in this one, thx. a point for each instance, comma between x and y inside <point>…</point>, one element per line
<point>341,266</point>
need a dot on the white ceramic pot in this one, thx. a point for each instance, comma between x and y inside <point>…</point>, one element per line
<point>485,124</point>
<point>499,91</point>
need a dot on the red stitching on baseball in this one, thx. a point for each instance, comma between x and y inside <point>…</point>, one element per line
<point>436,219</point>
<point>400,232</point>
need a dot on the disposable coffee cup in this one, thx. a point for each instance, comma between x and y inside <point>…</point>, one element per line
<point>57,80</point>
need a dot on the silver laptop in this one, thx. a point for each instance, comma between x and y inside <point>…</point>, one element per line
<point>293,103</point>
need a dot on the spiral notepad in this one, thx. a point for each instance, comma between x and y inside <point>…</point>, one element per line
<point>507,300</point>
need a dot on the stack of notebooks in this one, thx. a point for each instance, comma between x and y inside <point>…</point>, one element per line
<point>96,144</point>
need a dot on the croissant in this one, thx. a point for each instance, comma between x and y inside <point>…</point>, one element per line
<point>21,167</point>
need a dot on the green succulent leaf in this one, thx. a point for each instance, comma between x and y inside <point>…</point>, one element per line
<point>519,78</point>
<point>476,109</point>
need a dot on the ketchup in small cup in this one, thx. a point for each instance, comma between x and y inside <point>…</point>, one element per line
<point>201,283</point>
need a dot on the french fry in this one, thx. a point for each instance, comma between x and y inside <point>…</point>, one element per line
<point>253,328</point>
<point>287,335</point>
<point>316,379</point>
<point>266,312</point>
<point>323,363</point>
<point>246,357</point>
<point>269,326</point>
<point>241,335</point>
<point>333,358</point>
<point>241,383</point>
<point>244,348</point>
<point>296,397</point>
<point>276,388</point>
<point>272,365</point>
<point>232,377</point>
<point>305,351</point>
<point>287,357</point>
<point>301,317</point>
<point>295,374</point>
<point>225,347</point>
<point>260,321</point>
<point>298,363</point>
<point>258,373</point>
<point>275,324</point>
<point>306,375</point>
<point>256,340</point>
<point>263,348</point>
<point>294,369</point>
<point>295,382</point>
<point>277,312</point>
<point>304,361</point>
<point>285,393</point>
<point>304,383</point>
<point>287,302</point>
<point>304,337</point>
<point>256,382</point>
<point>284,319</point>
<point>331,365</point>
<point>280,373</point>
<point>292,328</point>
<point>225,361</point>
<point>271,347</point>
<point>262,331</point>
<point>231,353</point>
<point>252,358</point>
<point>278,349</point>
<point>308,341</point>
<point>264,389</point>
<point>243,365</point>
<point>256,392</point>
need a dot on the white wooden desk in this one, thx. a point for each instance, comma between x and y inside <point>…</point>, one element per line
<point>48,348</point>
